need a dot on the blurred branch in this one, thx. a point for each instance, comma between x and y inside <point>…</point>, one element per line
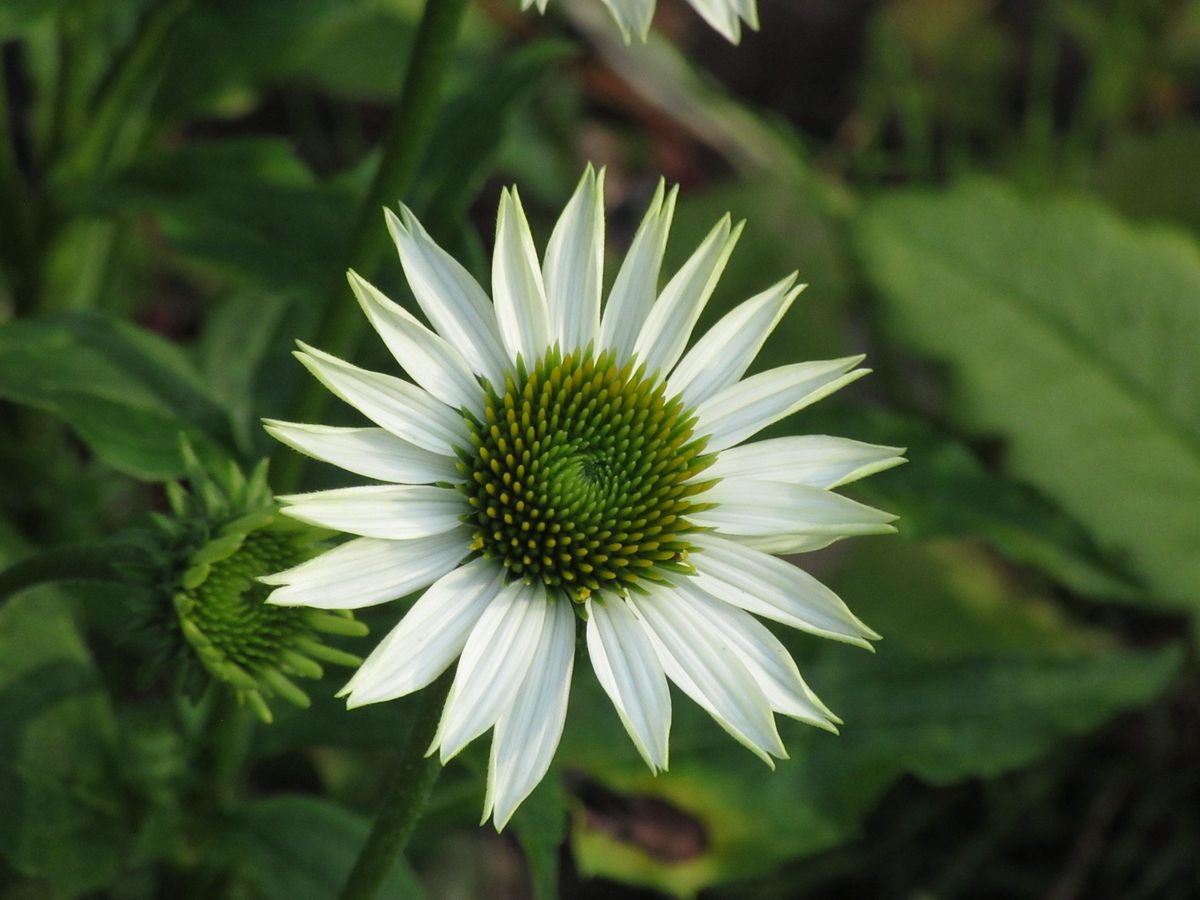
<point>79,562</point>
<point>404,144</point>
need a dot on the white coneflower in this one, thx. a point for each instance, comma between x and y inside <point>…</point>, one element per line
<point>554,461</point>
<point>635,16</point>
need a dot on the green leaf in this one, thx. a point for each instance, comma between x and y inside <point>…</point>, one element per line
<point>945,491</point>
<point>1072,336</point>
<point>263,327</point>
<point>1154,176</point>
<point>969,681</point>
<point>64,820</point>
<point>246,208</point>
<point>471,129</point>
<point>127,393</point>
<point>302,848</point>
<point>17,15</point>
<point>227,50</point>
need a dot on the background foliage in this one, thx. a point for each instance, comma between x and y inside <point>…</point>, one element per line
<point>998,199</point>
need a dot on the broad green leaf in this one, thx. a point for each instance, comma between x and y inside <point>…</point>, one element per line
<point>969,681</point>
<point>246,208</point>
<point>302,848</point>
<point>1072,337</point>
<point>229,52</point>
<point>945,491</point>
<point>127,393</point>
<point>63,820</point>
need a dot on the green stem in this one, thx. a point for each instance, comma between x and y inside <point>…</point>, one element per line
<point>403,146</point>
<point>87,562</point>
<point>413,776</point>
<point>131,75</point>
<point>229,732</point>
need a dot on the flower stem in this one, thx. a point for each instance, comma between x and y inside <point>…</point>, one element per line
<point>413,776</point>
<point>229,734</point>
<point>404,144</point>
<point>79,562</point>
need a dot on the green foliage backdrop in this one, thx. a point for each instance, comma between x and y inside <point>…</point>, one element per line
<point>998,202</point>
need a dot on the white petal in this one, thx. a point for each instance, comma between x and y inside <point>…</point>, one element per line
<point>528,732</point>
<point>448,295</point>
<point>706,668</point>
<point>763,654</point>
<point>397,512</point>
<point>628,669</point>
<point>367,571</point>
<point>633,16</point>
<point>721,15</point>
<point>770,507</point>
<point>402,408</point>
<point>813,459</point>
<point>748,10</point>
<point>429,637</point>
<point>672,318</point>
<point>752,404</point>
<point>785,544</point>
<point>371,452</point>
<point>636,286</point>
<point>724,354</point>
<point>774,589</point>
<point>517,288</point>
<point>492,666</point>
<point>574,266</point>
<point>428,359</point>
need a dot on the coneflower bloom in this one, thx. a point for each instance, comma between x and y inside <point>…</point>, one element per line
<point>553,462</point>
<point>634,16</point>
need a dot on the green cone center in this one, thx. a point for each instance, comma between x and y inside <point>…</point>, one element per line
<point>228,606</point>
<point>581,475</point>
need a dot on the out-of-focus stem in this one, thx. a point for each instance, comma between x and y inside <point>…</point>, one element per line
<point>404,144</point>
<point>70,563</point>
<point>413,777</point>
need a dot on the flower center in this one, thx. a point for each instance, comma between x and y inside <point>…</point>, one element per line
<point>580,475</point>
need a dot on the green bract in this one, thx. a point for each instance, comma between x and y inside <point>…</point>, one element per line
<point>225,534</point>
<point>581,475</point>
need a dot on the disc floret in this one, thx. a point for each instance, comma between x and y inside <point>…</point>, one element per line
<point>580,475</point>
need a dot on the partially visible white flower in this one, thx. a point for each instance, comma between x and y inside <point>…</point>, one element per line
<point>557,460</point>
<point>634,16</point>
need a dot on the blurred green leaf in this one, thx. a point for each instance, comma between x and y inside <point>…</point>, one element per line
<point>228,49</point>
<point>1072,336</point>
<point>63,820</point>
<point>471,129</point>
<point>780,237</point>
<point>263,328</point>
<point>968,681</point>
<point>1154,176</point>
<point>127,393</point>
<point>945,491</point>
<point>247,208</point>
<point>16,15</point>
<point>302,848</point>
